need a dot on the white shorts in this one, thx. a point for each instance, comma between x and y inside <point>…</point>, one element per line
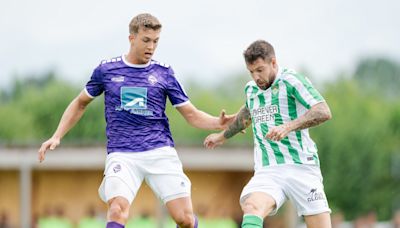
<point>160,168</point>
<point>302,184</point>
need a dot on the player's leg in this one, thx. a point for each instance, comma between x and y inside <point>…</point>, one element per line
<point>118,212</point>
<point>114,189</point>
<point>256,206</point>
<point>181,211</point>
<point>306,191</point>
<point>165,176</point>
<point>262,196</point>
<point>322,220</point>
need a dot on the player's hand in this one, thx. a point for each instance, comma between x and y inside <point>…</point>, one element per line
<point>225,120</point>
<point>51,144</point>
<point>277,133</point>
<point>214,140</point>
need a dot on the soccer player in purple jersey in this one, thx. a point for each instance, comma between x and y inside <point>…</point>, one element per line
<point>139,142</point>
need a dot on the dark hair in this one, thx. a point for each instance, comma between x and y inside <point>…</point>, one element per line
<point>144,21</point>
<point>259,49</point>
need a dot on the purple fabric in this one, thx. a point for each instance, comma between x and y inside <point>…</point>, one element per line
<point>135,99</point>
<point>196,221</point>
<point>114,225</point>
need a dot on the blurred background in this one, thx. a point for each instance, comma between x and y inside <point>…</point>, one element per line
<point>48,49</point>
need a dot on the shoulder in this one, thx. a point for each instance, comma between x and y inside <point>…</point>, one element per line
<point>288,74</point>
<point>162,66</point>
<point>111,63</point>
<point>250,85</point>
<point>250,88</point>
<point>164,70</point>
<point>293,77</point>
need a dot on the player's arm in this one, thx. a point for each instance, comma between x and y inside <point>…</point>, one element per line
<point>203,120</point>
<point>71,116</point>
<point>316,115</point>
<point>241,122</point>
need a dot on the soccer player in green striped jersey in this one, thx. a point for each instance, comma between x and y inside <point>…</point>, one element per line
<point>280,105</point>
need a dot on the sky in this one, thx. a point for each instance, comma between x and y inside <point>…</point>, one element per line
<point>202,40</point>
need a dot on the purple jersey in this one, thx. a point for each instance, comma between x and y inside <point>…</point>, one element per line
<point>135,98</point>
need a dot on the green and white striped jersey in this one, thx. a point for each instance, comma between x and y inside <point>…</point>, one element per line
<point>289,97</point>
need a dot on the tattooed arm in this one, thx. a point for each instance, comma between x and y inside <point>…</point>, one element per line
<point>241,122</point>
<point>317,114</point>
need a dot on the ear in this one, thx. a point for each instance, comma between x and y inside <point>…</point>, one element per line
<point>273,62</point>
<point>131,38</point>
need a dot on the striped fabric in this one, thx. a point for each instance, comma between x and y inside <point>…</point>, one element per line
<point>289,97</point>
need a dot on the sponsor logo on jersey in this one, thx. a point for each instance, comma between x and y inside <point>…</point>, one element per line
<point>118,79</point>
<point>152,79</point>
<point>134,100</point>
<point>264,114</point>
<point>315,195</point>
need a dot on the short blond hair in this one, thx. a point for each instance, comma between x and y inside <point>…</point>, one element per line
<point>144,21</point>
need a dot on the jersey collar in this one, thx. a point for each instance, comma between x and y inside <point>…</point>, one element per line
<point>134,65</point>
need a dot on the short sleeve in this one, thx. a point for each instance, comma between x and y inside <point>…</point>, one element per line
<point>302,90</point>
<point>95,86</point>
<point>175,91</point>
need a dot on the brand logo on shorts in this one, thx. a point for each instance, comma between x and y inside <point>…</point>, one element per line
<point>182,184</point>
<point>315,195</point>
<point>117,168</point>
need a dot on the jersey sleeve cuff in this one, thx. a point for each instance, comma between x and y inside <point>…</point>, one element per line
<point>88,94</point>
<point>181,104</point>
<point>316,102</point>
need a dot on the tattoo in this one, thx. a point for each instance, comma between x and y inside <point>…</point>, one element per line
<point>241,122</point>
<point>318,114</point>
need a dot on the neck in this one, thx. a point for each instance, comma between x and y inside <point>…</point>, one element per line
<point>274,74</point>
<point>131,58</point>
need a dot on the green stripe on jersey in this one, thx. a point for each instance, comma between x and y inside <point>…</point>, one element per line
<point>293,111</point>
<point>296,94</point>
<point>265,160</point>
<point>310,88</point>
<point>278,121</point>
<point>264,131</point>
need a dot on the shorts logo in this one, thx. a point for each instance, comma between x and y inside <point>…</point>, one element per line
<point>314,195</point>
<point>182,184</point>
<point>117,168</point>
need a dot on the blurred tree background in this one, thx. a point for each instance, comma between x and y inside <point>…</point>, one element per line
<point>359,148</point>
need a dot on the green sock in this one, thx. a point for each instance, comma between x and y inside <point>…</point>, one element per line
<point>252,221</point>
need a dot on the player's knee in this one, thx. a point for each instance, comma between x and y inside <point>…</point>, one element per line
<point>185,219</point>
<point>118,212</point>
<point>249,207</point>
